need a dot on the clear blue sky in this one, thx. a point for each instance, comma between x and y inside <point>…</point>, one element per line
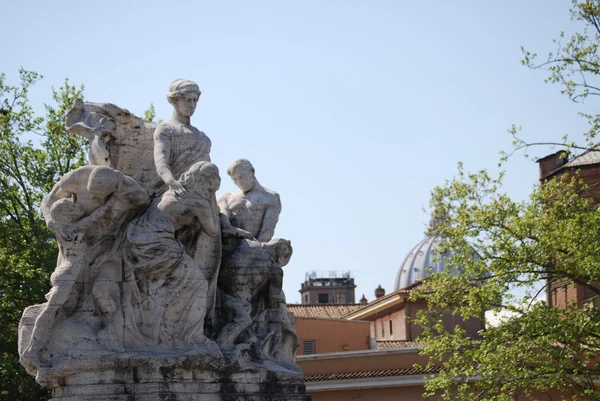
<point>352,110</point>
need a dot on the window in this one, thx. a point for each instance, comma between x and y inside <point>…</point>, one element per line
<point>308,347</point>
<point>382,328</point>
<point>305,298</point>
<point>391,326</point>
<point>340,298</point>
<point>323,298</point>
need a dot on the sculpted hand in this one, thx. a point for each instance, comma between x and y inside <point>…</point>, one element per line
<point>243,233</point>
<point>178,190</point>
<point>66,231</point>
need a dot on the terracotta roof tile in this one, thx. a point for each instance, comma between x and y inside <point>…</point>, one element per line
<point>398,344</point>
<point>327,311</point>
<point>372,373</point>
<point>407,291</point>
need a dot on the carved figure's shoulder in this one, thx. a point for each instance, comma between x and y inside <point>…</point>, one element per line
<point>202,136</point>
<point>76,177</point>
<point>272,195</point>
<point>163,128</point>
<point>224,198</point>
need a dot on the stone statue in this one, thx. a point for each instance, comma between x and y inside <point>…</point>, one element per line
<point>165,290</point>
<point>178,145</point>
<point>97,128</point>
<point>253,210</point>
<point>250,279</point>
<point>133,311</point>
<point>65,219</point>
<point>85,210</point>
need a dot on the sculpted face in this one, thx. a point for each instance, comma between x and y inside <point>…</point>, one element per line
<point>185,104</point>
<point>243,178</point>
<point>216,185</point>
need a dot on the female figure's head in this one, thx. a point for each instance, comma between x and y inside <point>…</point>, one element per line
<point>184,95</point>
<point>203,177</point>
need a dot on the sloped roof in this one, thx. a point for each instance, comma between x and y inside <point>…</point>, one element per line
<point>587,158</point>
<point>372,373</point>
<point>398,344</point>
<point>590,157</point>
<point>325,311</point>
<point>400,293</point>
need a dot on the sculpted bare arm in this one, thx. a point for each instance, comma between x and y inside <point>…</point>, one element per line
<point>54,195</point>
<point>270,219</point>
<point>224,204</point>
<point>204,214</point>
<point>162,150</point>
<point>64,188</point>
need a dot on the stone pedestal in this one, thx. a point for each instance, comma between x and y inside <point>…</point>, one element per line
<point>178,384</point>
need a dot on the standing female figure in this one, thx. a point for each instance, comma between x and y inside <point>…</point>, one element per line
<point>177,144</point>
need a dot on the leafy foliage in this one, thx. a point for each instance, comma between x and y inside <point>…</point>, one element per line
<point>537,351</point>
<point>523,247</point>
<point>27,250</point>
<point>150,114</point>
<point>575,66</point>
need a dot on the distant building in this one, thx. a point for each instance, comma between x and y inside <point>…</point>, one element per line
<point>587,165</point>
<point>367,350</point>
<point>331,288</point>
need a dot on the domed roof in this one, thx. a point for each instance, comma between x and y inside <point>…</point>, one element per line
<point>421,261</point>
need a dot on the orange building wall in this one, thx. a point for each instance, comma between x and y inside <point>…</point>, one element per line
<point>398,331</point>
<point>412,393</point>
<point>332,335</point>
<point>415,393</point>
<point>361,361</point>
<point>449,320</point>
<point>375,360</point>
<point>407,330</point>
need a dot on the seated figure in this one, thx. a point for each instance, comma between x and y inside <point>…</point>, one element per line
<point>251,212</point>
<point>254,316</point>
<point>164,289</point>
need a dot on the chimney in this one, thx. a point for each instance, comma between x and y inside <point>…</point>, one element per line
<point>552,163</point>
<point>379,292</point>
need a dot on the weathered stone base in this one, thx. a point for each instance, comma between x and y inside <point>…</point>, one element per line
<point>181,396</point>
<point>200,373</point>
<point>168,384</point>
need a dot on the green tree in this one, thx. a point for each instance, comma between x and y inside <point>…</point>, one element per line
<point>27,250</point>
<point>553,236</point>
<point>522,248</point>
<point>150,114</point>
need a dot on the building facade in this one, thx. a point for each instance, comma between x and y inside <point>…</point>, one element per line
<point>331,288</point>
<point>369,350</point>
